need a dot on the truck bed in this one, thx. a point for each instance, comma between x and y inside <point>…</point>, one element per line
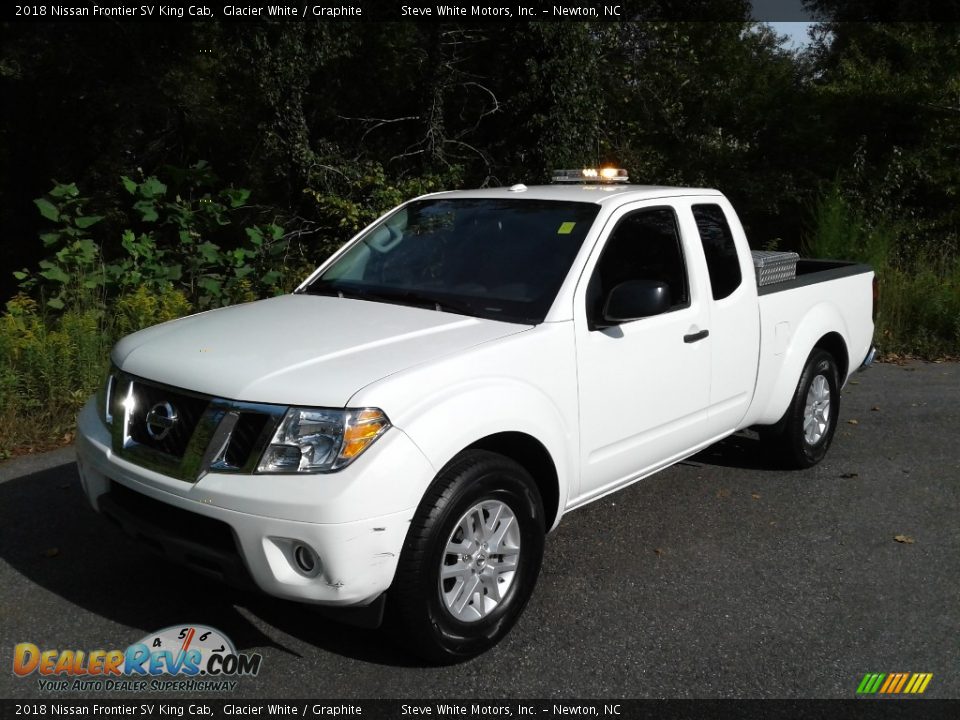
<point>794,316</point>
<point>810,272</point>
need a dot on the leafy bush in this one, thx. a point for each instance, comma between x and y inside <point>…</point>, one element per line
<point>143,308</point>
<point>73,270</point>
<point>841,231</point>
<point>184,249</point>
<point>918,310</point>
<point>194,239</point>
<point>178,242</point>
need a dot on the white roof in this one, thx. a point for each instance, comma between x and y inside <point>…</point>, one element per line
<point>574,192</point>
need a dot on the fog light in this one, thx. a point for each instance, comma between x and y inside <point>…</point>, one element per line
<point>305,558</point>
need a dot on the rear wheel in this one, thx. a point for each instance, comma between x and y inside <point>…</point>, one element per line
<point>801,439</point>
<point>471,558</point>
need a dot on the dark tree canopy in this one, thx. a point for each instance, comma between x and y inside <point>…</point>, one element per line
<point>317,117</point>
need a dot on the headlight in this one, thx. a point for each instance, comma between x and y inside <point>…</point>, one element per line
<point>320,440</point>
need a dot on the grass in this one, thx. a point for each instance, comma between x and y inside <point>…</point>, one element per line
<point>50,365</point>
<point>918,310</point>
<point>47,370</point>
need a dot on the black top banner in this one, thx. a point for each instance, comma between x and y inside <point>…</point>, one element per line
<point>498,10</point>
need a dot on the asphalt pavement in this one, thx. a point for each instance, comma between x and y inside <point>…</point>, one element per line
<point>721,577</point>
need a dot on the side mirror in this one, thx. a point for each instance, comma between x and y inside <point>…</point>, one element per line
<point>635,299</point>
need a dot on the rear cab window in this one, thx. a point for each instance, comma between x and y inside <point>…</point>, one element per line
<point>723,262</point>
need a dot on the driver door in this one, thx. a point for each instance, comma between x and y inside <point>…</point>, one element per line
<point>644,385</point>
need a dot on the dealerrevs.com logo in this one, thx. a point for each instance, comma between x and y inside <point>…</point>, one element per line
<point>177,658</point>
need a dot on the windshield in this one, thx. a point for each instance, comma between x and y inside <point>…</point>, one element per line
<point>502,259</point>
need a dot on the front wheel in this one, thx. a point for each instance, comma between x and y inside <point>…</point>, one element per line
<point>471,558</point>
<point>801,439</point>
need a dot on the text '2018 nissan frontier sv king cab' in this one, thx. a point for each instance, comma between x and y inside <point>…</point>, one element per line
<point>401,431</point>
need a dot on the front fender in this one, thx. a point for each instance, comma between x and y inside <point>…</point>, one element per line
<point>444,422</point>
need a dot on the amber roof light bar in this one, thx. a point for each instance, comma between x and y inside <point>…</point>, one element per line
<point>591,175</point>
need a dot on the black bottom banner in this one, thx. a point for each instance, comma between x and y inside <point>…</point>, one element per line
<point>484,709</point>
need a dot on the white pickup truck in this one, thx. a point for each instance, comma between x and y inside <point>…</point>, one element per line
<point>402,430</point>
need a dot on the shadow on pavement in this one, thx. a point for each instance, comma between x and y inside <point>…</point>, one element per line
<point>51,536</point>
<point>743,450</point>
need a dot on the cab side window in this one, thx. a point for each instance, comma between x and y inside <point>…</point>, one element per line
<point>645,245</point>
<point>723,263</point>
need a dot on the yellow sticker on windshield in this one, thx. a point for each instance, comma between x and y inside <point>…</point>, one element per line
<point>566,228</point>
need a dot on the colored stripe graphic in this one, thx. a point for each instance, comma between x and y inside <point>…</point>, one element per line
<point>894,683</point>
<point>899,686</point>
<point>870,683</point>
<point>918,683</point>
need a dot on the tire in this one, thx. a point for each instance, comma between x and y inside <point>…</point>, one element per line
<point>479,503</point>
<point>803,436</point>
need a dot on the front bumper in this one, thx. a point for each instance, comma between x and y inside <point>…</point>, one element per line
<point>238,527</point>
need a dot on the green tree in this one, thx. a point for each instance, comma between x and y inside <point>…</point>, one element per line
<point>890,97</point>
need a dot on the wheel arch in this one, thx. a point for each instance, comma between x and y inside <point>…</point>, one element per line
<point>789,442</point>
<point>834,344</point>
<point>503,415</point>
<point>822,327</point>
<point>530,454</point>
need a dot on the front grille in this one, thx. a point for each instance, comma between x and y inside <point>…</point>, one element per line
<point>184,434</point>
<point>243,441</point>
<point>171,441</point>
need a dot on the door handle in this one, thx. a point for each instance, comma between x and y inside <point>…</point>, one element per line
<point>694,337</point>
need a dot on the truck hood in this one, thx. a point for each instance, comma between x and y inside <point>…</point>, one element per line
<point>298,349</point>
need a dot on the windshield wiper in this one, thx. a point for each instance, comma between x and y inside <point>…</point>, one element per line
<point>420,299</point>
<point>321,290</point>
<point>395,297</point>
<point>346,292</point>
